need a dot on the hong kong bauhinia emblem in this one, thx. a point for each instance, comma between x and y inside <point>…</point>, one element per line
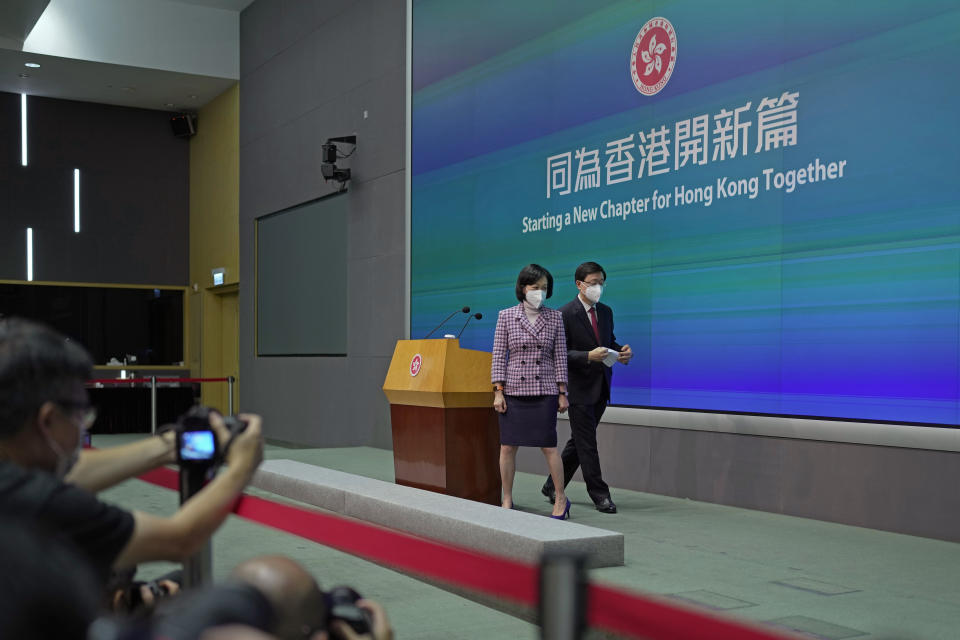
<point>653,56</point>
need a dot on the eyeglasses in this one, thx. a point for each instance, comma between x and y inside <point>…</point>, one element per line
<point>88,414</point>
<point>88,418</point>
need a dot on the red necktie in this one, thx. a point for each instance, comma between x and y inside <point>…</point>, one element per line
<point>593,321</point>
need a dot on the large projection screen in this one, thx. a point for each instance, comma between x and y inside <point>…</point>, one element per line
<point>778,219</point>
<point>302,279</point>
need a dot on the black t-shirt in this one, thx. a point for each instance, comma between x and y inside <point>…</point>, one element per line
<point>99,531</point>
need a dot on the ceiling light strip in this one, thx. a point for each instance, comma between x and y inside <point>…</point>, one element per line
<point>23,129</point>
<point>29,254</point>
<point>76,200</point>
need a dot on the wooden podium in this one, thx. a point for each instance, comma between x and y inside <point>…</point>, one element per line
<point>445,432</point>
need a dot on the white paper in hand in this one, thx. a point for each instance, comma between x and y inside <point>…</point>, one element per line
<point>610,358</point>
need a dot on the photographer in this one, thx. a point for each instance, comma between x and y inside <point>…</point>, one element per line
<point>301,606</point>
<point>44,411</point>
<point>276,595</point>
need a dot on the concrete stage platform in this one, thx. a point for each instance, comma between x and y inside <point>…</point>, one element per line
<point>464,523</point>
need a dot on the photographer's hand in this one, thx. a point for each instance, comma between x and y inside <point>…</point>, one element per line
<point>220,428</point>
<point>246,450</point>
<point>381,625</point>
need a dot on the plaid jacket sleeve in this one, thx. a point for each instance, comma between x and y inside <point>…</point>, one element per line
<point>560,348</point>
<point>498,369</point>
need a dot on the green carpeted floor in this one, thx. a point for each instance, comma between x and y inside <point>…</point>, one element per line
<point>826,580</point>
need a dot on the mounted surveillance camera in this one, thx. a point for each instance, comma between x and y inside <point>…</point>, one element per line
<point>332,172</point>
<point>329,153</point>
<point>328,160</point>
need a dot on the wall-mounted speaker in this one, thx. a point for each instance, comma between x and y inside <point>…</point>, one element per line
<point>184,125</point>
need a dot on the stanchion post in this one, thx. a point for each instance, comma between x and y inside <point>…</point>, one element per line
<point>153,405</point>
<point>562,602</point>
<point>230,381</point>
<point>198,568</point>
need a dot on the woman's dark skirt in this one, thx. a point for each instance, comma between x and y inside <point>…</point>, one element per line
<point>530,421</point>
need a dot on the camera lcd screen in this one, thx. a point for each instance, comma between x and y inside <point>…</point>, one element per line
<point>197,445</point>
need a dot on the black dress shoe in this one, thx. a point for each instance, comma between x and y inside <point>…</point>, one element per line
<point>549,492</point>
<point>606,506</point>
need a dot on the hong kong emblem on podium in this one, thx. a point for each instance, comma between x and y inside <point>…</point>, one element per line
<point>653,56</point>
<point>415,365</point>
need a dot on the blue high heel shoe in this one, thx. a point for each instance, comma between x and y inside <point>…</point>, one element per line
<point>566,513</point>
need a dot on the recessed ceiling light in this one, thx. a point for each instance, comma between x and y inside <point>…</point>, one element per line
<point>128,89</point>
<point>24,75</point>
<point>32,65</point>
<point>169,104</point>
<point>192,96</point>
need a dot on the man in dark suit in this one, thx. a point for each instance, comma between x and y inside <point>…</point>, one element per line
<point>589,329</point>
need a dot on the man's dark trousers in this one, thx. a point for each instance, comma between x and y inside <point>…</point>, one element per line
<point>581,449</point>
<point>588,390</point>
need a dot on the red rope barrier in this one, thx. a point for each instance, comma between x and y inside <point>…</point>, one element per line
<point>617,610</point>
<point>609,608</point>
<point>144,380</point>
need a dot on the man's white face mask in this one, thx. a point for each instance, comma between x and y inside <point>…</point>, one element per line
<point>65,460</point>
<point>593,292</point>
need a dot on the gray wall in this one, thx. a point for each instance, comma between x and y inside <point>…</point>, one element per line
<point>134,193</point>
<point>309,70</point>
<point>312,70</point>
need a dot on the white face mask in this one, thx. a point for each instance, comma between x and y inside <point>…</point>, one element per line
<point>65,461</point>
<point>535,298</point>
<point>593,293</point>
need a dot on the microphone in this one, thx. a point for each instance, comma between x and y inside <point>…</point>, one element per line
<point>478,316</point>
<point>464,310</point>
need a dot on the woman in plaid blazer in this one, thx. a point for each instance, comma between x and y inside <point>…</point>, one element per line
<point>529,375</point>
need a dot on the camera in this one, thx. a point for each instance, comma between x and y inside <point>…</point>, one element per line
<point>328,160</point>
<point>197,443</point>
<point>342,605</point>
